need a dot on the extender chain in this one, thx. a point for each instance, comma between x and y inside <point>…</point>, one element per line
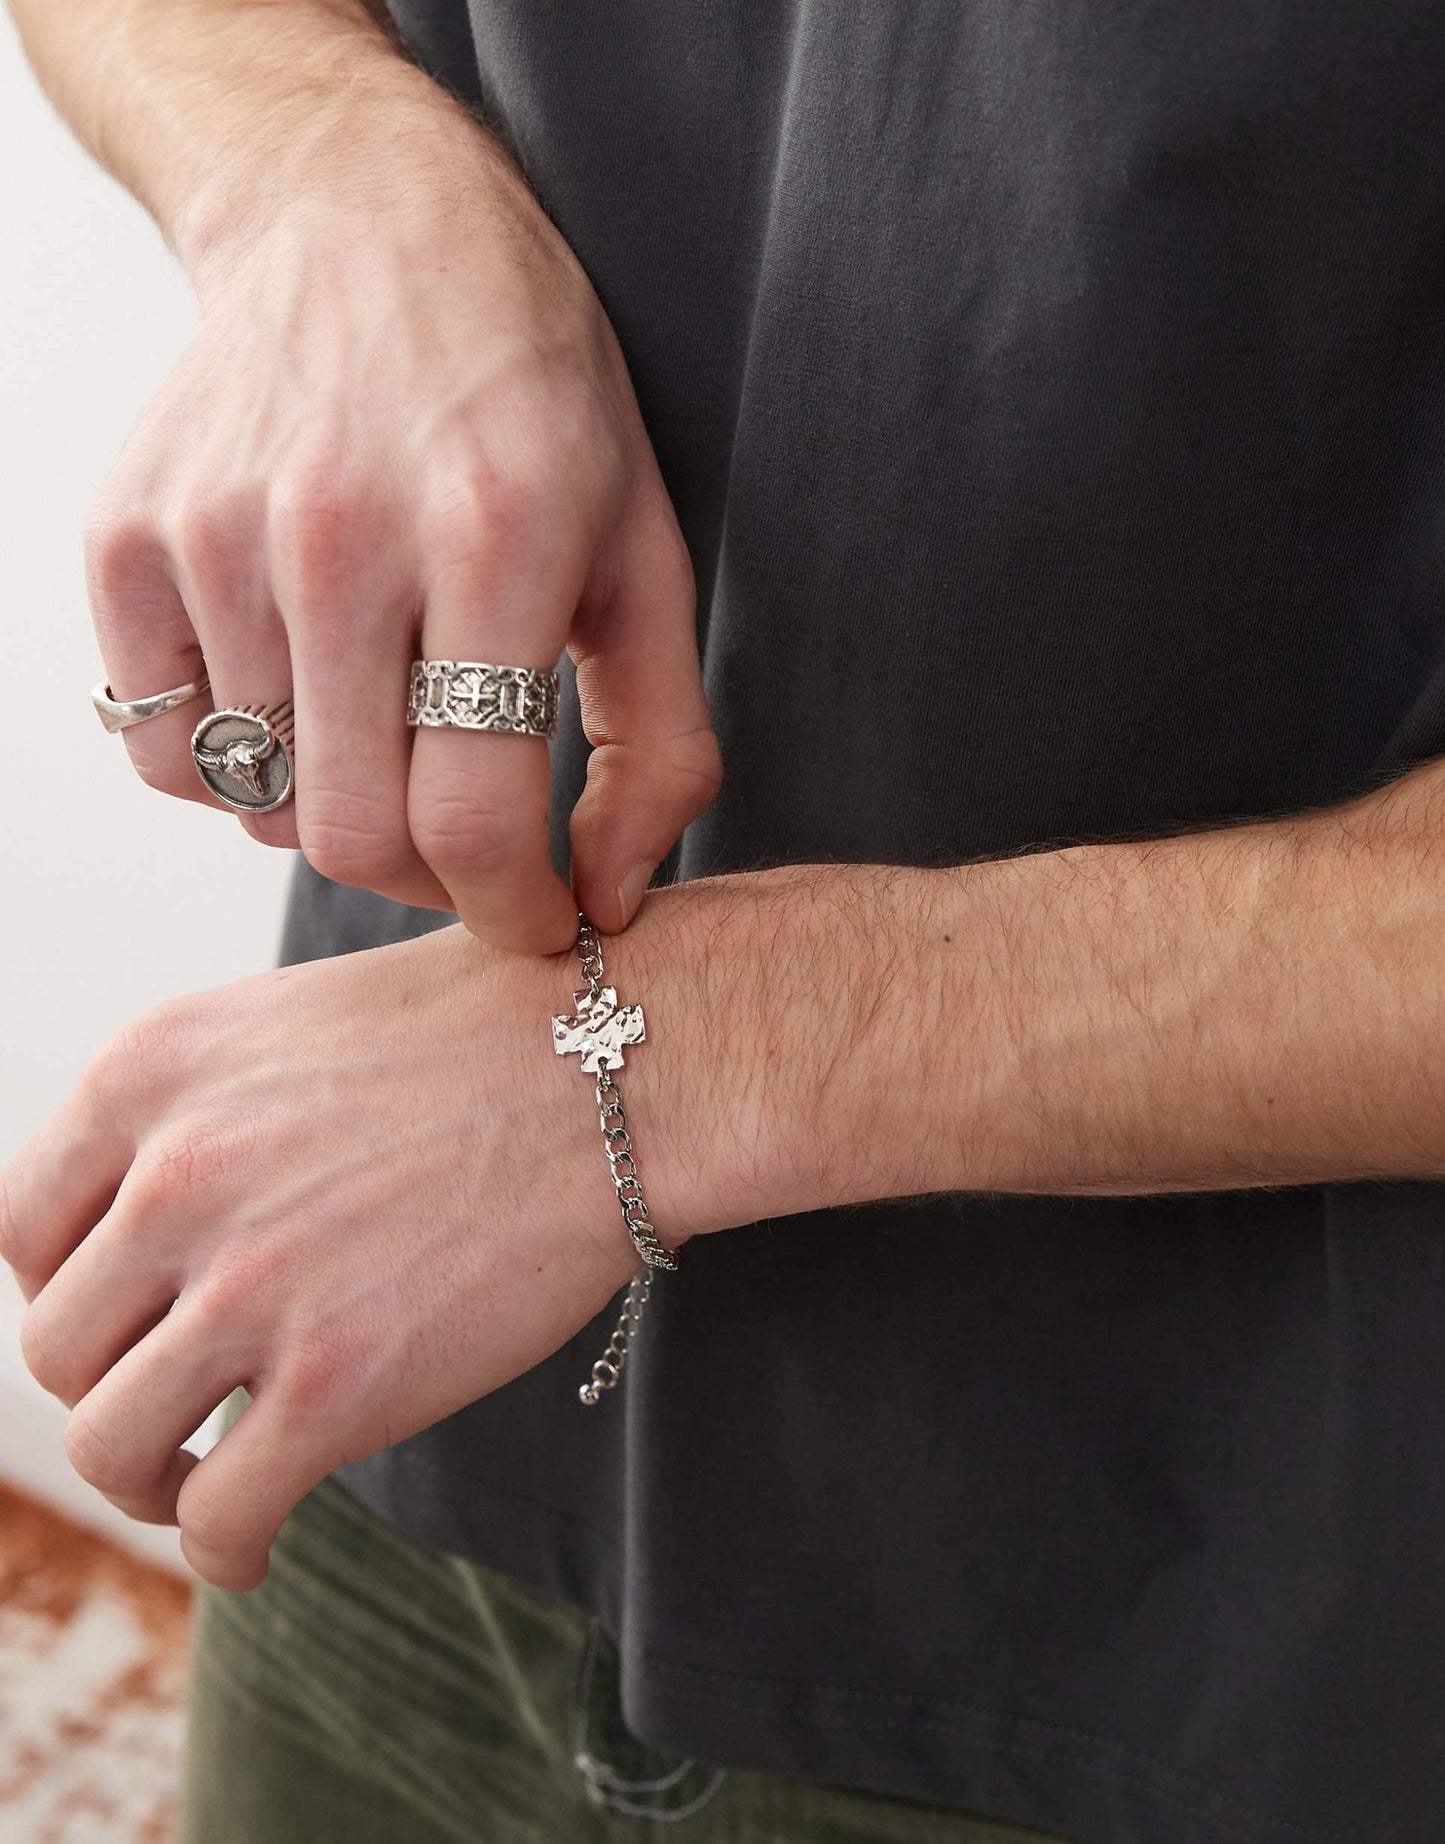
<point>598,1030</point>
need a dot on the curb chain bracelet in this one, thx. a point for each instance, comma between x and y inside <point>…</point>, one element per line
<point>597,1030</point>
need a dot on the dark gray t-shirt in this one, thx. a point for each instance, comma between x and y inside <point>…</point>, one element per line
<point>1051,396</point>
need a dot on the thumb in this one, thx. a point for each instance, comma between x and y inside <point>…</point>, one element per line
<point>655,763</point>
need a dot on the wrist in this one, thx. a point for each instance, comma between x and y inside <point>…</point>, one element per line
<point>356,140</point>
<point>785,1067</point>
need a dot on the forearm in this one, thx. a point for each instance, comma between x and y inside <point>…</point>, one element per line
<point>1261,1005</point>
<point>1258,1005</point>
<point>219,113</point>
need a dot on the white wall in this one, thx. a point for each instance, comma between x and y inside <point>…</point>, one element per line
<point>111,897</point>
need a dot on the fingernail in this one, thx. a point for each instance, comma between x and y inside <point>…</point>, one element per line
<point>632,886</point>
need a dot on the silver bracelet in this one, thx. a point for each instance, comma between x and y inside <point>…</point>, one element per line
<point>598,1030</point>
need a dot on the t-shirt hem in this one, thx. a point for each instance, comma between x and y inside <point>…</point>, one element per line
<point>1013,1767</point>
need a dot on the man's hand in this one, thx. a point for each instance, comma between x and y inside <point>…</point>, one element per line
<point>410,433</point>
<point>405,428</point>
<point>367,1190</point>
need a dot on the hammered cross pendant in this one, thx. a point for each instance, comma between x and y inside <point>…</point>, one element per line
<point>598,1029</point>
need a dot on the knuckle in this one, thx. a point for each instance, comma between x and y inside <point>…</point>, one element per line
<point>146,1048</point>
<point>478,511</point>
<point>683,772</point>
<point>123,549</point>
<point>217,1307</point>
<point>320,1368</point>
<point>127,1063</point>
<point>451,830</point>
<point>315,519</point>
<point>696,759</point>
<point>213,539</point>
<point>101,1082</point>
<point>352,839</point>
<point>94,1451</point>
<point>240,1289</point>
<point>148,1191</point>
<point>208,1518</point>
<point>182,1170</point>
<point>586,433</point>
<point>41,1350</point>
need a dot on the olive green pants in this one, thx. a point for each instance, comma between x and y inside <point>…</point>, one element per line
<point>372,1692</point>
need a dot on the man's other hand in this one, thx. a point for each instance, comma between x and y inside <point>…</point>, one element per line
<point>406,429</point>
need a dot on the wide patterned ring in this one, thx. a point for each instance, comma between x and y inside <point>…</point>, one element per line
<point>470,695</point>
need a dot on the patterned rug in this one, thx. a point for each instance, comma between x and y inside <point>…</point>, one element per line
<point>92,1684</point>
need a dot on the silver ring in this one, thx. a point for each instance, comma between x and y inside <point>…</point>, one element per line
<point>243,754</point>
<point>121,713</point>
<point>469,695</point>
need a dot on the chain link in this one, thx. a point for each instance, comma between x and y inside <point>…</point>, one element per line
<point>608,1368</point>
<point>622,1164</point>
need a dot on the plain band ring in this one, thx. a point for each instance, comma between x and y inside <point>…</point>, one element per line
<point>243,754</point>
<point>471,695</point>
<point>121,713</point>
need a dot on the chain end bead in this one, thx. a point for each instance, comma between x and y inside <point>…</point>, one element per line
<point>598,1031</point>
